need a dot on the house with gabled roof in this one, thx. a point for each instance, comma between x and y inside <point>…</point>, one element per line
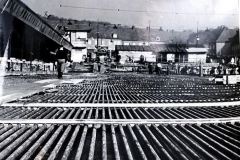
<point>223,45</point>
<point>180,53</point>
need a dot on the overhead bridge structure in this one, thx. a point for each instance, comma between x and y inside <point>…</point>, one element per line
<point>26,34</point>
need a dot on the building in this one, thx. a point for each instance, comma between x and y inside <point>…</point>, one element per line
<point>79,39</point>
<point>223,45</point>
<point>235,46</point>
<point>207,39</point>
<point>179,53</point>
<point>131,53</point>
<point>109,36</point>
<point>196,55</point>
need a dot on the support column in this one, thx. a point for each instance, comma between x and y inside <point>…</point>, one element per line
<point>201,69</point>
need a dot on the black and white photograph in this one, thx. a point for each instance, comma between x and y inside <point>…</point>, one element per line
<point>119,80</point>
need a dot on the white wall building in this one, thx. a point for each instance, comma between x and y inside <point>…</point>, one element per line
<point>196,55</point>
<point>103,42</point>
<point>79,39</point>
<point>179,53</point>
<point>135,56</point>
<point>134,52</point>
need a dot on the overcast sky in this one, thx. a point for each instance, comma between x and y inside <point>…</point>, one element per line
<point>170,14</point>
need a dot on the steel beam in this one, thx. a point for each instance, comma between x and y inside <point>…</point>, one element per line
<point>22,12</point>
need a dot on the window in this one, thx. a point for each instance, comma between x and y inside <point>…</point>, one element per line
<point>114,35</point>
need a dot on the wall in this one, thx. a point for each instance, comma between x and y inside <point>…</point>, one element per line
<point>78,54</point>
<point>135,55</point>
<point>212,49</point>
<point>196,57</point>
<point>171,57</point>
<point>141,43</point>
<point>235,50</point>
<point>135,43</point>
<point>219,47</point>
<point>79,39</point>
<point>110,43</point>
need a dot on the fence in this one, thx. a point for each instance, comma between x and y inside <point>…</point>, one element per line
<point>13,65</point>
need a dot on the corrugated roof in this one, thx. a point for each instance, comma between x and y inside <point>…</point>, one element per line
<point>139,34</point>
<point>197,50</point>
<point>161,48</point>
<point>132,48</point>
<point>79,28</point>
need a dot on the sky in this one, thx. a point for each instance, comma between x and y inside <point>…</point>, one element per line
<point>169,14</point>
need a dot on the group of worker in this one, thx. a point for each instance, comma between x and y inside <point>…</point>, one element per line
<point>222,70</point>
<point>99,67</point>
<point>158,69</point>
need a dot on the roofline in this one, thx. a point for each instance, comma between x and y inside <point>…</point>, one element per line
<point>79,47</point>
<point>79,30</point>
<point>9,7</point>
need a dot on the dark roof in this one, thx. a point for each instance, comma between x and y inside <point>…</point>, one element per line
<point>226,35</point>
<point>206,37</point>
<point>42,26</point>
<point>169,48</point>
<point>174,50</point>
<point>226,50</point>
<point>162,48</point>
<point>78,28</point>
<point>235,39</point>
<point>126,33</point>
<point>158,48</point>
<point>132,48</point>
<point>139,34</point>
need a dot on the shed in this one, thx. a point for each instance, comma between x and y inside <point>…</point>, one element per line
<point>133,53</point>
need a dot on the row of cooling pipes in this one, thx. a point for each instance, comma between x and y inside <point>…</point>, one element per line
<point>132,141</point>
<point>168,142</point>
<point>137,89</point>
<point>118,112</point>
<point>117,94</point>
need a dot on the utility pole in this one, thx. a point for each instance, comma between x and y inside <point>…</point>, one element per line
<point>97,33</point>
<point>97,54</point>
<point>149,32</point>
<point>197,34</point>
<point>201,69</point>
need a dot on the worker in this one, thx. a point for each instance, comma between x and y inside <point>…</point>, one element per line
<point>95,66</point>
<point>61,57</point>
<point>158,68</point>
<point>150,68</point>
